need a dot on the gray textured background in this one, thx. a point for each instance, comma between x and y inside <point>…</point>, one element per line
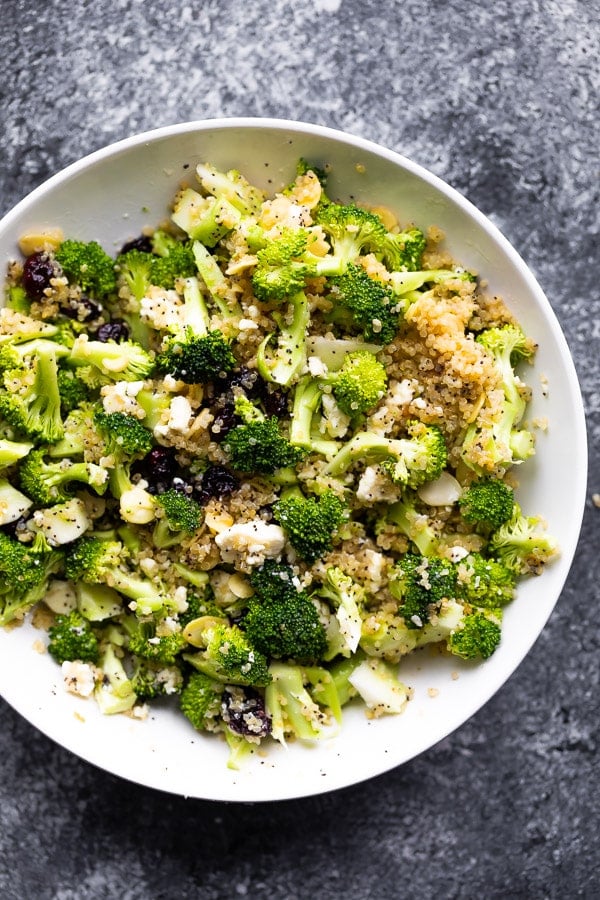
<point>501,100</point>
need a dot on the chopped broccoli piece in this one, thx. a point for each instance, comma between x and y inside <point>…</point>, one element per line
<point>408,283</point>
<point>73,391</point>
<point>260,447</point>
<point>282,366</point>
<point>111,361</point>
<point>360,383</point>
<point>24,574</point>
<point>205,219</point>
<point>309,522</point>
<point>72,637</point>
<point>104,562</point>
<point>403,251</point>
<point>281,621</point>
<point>12,451</point>
<point>200,701</point>
<point>226,654</point>
<point>477,637</point>
<point>173,259</point>
<point>151,680</point>
<point>485,582</point>
<point>86,264</point>
<point>348,599</point>
<point>487,503</point>
<point>32,404</point>
<point>282,269</point>
<point>413,523</point>
<point>521,545</point>
<point>351,230</point>
<point>289,705</point>
<point>126,440</point>
<point>182,515</point>
<point>47,483</point>
<point>232,186</point>
<point>408,461</point>
<point>420,583</point>
<point>364,305</point>
<point>146,642</point>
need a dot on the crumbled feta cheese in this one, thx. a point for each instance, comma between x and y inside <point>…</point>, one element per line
<point>62,523</point>
<point>137,506</point>
<point>78,677</point>
<point>161,308</point>
<point>455,554</point>
<point>247,325</point>
<point>316,367</point>
<point>375,487</point>
<point>180,413</point>
<point>334,422</point>
<point>121,397</point>
<point>250,542</point>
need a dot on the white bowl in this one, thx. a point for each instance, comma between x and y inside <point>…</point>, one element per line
<point>109,196</point>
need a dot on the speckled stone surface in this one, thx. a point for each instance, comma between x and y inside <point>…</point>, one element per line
<point>500,99</point>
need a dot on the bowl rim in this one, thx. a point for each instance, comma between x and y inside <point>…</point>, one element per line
<point>116,148</point>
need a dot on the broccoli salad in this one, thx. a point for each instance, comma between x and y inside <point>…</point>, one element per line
<point>257,457</point>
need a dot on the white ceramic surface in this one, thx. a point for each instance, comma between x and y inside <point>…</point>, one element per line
<point>108,196</point>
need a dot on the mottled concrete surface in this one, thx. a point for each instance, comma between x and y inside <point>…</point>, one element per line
<point>501,100</point>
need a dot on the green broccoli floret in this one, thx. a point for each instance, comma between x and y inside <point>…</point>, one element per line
<point>364,305</point>
<point>126,440</point>
<point>73,391</point>
<point>30,399</point>
<point>172,259</point>
<point>403,251</point>
<point>226,654</point>
<point>406,514</point>
<point>147,642</point>
<point>151,680</point>
<point>281,621</point>
<point>232,186</point>
<point>200,701</point>
<point>194,354</point>
<point>350,230</point>
<point>420,583</point>
<point>47,483</point>
<point>360,383</point>
<point>347,598</point>
<point>182,516</point>
<point>134,271</point>
<point>72,637</point>
<point>86,264</point>
<point>283,265</point>
<point>410,461</point>
<point>487,447</point>
<point>105,562</point>
<point>485,582</point>
<point>310,522</point>
<point>521,545</point>
<point>476,638</point>
<point>289,705</point>
<point>200,602</point>
<point>289,356</point>
<point>260,447</point>
<point>12,451</point>
<point>487,503</point>
<point>24,574</point>
<point>111,361</point>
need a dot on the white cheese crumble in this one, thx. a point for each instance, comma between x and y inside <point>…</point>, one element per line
<point>180,413</point>
<point>250,542</point>
<point>78,677</point>
<point>161,308</point>
<point>121,397</point>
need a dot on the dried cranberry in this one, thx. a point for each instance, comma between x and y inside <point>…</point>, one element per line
<point>38,269</point>
<point>158,468</point>
<point>248,379</point>
<point>142,243</point>
<point>83,309</point>
<point>180,484</point>
<point>216,482</point>
<point>225,419</point>
<point>116,330</point>
<point>275,403</point>
<point>243,710</point>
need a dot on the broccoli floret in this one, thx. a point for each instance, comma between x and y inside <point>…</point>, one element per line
<point>281,621</point>
<point>485,582</point>
<point>289,356</point>
<point>24,574</point>
<point>111,361</point>
<point>360,383</point>
<point>289,705</point>
<point>487,503</point>
<point>226,654</point>
<point>205,219</point>
<point>403,251</point>
<point>487,447</point>
<point>172,259</point>
<point>521,545</point>
<point>126,440</point>
<point>200,701</point>
<point>476,638</point>
<point>151,680</point>
<point>310,522</point>
<point>30,399</point>
<point>408,283</point>
<point>364,305</point>
<point>282,267</point>
<point>413,523</point>
<point>104,562</point>
<point>12,451</point>
<point>194,354</point>
<point>260,447</point>
<point>47,483</point>
<point>72,637</point>
<point>17,328</point>
<point>89,266</point>
<point>73,391</point>
<point>408,461</point>
<point>134,270</point>
<point>182,516</point>
<point>420,583</point>
<point>347,598</point>
<point>200,602</point>
<point>351,230</point>
<point>148,642</point>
